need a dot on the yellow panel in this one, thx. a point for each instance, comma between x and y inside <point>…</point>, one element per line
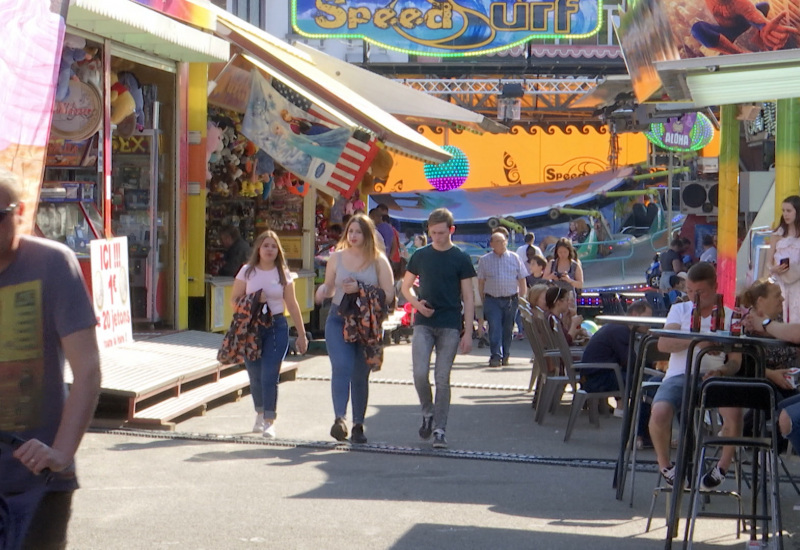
<point>293,247</point>
<point>521,157</point>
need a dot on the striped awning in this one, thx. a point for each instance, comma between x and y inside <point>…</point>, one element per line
<point>289,64</point>
<point>147,30</point>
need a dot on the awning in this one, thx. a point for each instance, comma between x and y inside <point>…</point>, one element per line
<point>407,104</point>
<point>290,64</point>
<point>478,205</point>
<point>142,28</point>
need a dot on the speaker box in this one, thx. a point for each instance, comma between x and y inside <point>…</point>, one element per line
<point>700,197</point>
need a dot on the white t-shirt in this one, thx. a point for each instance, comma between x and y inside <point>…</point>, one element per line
<point>522,252</point>
<point>269,282</point>
<point>681,313</point>
<point>709,255</point>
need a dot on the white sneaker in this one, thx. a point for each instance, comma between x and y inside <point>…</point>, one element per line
<point>258,427</point>
<point>269,429</point>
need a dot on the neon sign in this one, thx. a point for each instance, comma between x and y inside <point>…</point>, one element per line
<point>447,28</point>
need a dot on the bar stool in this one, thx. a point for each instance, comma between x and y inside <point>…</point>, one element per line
<point>756,394</point>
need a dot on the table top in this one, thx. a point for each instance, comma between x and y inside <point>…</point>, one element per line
<point>632,320</point>
<point>721,336</point>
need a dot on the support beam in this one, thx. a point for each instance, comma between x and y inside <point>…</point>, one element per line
<point>728,208</point>
<point>787,152</point>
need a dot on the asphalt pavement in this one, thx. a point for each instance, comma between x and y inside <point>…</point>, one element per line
<point>504,483</point>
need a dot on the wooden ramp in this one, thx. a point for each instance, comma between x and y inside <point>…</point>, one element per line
<point>164,377</point>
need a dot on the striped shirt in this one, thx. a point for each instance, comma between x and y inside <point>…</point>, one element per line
<point>501,273</point>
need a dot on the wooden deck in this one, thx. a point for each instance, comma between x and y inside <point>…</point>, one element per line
<point>167,376</point>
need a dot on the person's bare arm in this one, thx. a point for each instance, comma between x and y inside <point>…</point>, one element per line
<point>672,345</point>
<point>522,287</point>
<point>386,278</point>
<point>290,299</point>
<point>239,288</point>
<point>467,296</point>
<point>80,349</point>
<point>327,289</point>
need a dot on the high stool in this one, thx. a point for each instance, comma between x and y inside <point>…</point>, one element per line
<point>756,394</point>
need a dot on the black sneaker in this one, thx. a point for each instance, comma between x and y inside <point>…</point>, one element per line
<point>339,430</point>
<point>505,361</point>
<point>712,479</point>
<point>494,362</point>
<point>426,429</point>
<point>358,434</point>
<point>439,441</point>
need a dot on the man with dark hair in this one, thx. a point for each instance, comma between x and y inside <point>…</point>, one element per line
<point>445,282</point>
<point>701,286</point>
<point>236,253</point>
<point>46,316</point>
<point>610,344</point>
<point>671,263</point>
<point>528,249</point>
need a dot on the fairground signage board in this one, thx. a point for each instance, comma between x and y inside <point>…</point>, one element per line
<point>449,28</point>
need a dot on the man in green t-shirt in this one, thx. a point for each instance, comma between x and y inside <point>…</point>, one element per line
<point>445,281</point>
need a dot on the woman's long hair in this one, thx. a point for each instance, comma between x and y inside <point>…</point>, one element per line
<point>255,256</point>
<point>759,289</point>
<point>368,230</point>
<point>794,200</point>
<point>566,243</point>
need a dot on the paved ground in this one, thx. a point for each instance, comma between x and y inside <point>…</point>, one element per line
<point>520,487</point>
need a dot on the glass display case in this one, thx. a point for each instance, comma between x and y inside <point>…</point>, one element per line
<point>65,216</point>
<point>135,214</point>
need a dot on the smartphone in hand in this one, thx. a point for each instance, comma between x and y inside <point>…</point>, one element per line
<point>785,261</point>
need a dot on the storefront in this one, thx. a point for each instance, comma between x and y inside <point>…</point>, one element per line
<point>115,162</point>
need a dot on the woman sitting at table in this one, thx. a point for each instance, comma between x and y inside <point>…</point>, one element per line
<point>537,298</point>
<point>765,299</point>
<point>559,301</point>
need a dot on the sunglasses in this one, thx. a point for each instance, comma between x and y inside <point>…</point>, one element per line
<point>6,211</point>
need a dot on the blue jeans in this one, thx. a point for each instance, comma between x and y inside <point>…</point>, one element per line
<point>265,374</point>
<point>500,313</point>
<point>424,341</point>
<point>349,370</point>
<point>792,408</point>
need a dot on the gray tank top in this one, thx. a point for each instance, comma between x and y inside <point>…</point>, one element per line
<point>368,275</point>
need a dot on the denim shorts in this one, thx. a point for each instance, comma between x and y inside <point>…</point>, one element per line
<point>671,391</point>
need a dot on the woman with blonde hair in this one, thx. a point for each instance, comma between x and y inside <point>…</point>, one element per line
<point>357,259</point>
<point>266,270</point>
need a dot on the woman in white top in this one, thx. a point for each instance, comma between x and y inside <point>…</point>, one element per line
<point>357,259</point>
<point>783,257</point>
<point>266,270</point>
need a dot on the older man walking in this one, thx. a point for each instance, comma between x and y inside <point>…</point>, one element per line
<point>501,280</point>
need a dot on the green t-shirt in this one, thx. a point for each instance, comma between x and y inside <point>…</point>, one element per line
<point>440,275</point>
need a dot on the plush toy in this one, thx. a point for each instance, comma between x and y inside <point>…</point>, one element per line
<point>130,81</point>
<point>213,147</point>
<point>71,53</point>
<point>122,103</point>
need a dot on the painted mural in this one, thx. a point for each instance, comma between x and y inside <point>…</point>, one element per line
<point>520,157</point>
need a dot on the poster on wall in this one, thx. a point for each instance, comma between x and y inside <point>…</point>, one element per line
<point>313,149</point>
<point>669,30</point>
<point>28,70</point>
<point>111,291</point>
<point>447,27</point>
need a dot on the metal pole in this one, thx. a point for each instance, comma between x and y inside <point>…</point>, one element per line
<point>669,201</point>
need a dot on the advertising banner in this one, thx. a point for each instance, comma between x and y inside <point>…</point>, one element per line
<point>448,27</point>
<point>34,30</point>
<point>111,291</point>
<point>283,124</point>
<point>669,30</point>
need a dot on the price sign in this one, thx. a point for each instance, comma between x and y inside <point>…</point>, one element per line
<point>111,291</point>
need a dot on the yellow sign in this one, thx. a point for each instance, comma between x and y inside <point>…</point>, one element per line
<point>292,247</point>
<point>521,157</point>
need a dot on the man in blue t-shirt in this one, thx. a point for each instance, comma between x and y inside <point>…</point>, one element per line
<point>445,281</point>
<point>46,316</point>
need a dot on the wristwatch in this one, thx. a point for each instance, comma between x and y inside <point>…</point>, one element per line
<point>765,323</point>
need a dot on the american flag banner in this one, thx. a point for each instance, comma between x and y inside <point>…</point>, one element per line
<point>358,154</point>
<point>292,130</point>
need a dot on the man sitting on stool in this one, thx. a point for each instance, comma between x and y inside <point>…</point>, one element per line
<point>701,285</point>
